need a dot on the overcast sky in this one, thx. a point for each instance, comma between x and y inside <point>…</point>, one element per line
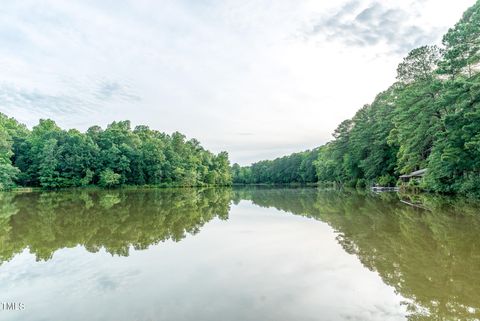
<point>258,78</point>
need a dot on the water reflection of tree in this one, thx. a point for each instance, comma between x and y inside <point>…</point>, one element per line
<point>115,220</point>
<point>431,257</point>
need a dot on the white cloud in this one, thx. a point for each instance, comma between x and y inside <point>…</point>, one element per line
<point>283,72</point>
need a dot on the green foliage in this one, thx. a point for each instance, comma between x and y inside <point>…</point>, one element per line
<point>8,173</point>
<point>50,157</point>
<point>386,180</point>
<point>87,179</point>
<point>419,64</point>
<point>108,178</point>
<point>296,168</point>
<point>462,45</point>
<point>48,174</point>
<point>361,151</point>
<point>455,159</point>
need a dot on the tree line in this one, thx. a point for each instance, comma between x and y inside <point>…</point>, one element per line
<point>294,168</point>
<point>50,157</point>
<point>429,118</point>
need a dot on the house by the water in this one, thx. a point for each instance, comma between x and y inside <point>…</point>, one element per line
<point>417,175</point>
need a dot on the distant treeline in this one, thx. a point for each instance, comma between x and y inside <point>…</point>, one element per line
<point>295,168</point>
<point>50,157</point>
<point>429,118</point>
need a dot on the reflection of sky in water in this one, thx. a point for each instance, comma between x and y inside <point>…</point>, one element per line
<point>261,264</point>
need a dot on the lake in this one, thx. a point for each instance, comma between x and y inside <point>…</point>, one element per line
<point>238,254</point>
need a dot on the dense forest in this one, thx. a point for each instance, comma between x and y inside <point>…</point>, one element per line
<point>50,157</point>
<point>428,119</point>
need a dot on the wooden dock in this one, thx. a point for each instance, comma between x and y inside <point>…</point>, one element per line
<point>379,189</point>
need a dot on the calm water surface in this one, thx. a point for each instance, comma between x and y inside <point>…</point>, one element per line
<point>238,254</point>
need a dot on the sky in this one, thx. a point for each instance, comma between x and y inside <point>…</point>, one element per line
<point>257,78</point>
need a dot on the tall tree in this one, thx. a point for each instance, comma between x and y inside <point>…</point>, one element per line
<point>8,172</point>
<point>419,64</point>
<point>462,45</point>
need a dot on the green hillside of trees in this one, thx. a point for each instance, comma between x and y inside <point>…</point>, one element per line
<point>50,157</point>
<point>429,118</point>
